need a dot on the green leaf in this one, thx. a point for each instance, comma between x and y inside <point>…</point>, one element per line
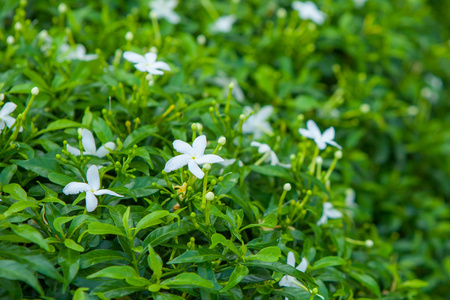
<point>187,280</point>
<point>269,254</point>
<point>33,235</point>
<point>366,281</point>
<point>23,88</point>
<point>115,272</point>
<point>6,174</point>
<point>36,78</point>
<point>294,293</point>
<point>102,130</point>
<point>58,222</point>
<point>103,228</point>
<point>151,219</point>
<point>115,289</point>
<point>40,165</point>
<point>13,270</point>
<point>79,294</point>
<point>154,262</point>
<point>69,261</point>
<point>197,256</point>
<point>60,179</point>
<point>165,233</point>
<point>16,191</point>
<point>161,296</point>
<point>18,206</point>
<point>414,283</point>
<point>217,238</point>
<point>139,134</point>
<point>270,221</point>
<point>271,171</point>
<point>328,262</point>
<point>60,124</point>
<point>100,255</point>
<point>238,274</point>
<point>73,245</point>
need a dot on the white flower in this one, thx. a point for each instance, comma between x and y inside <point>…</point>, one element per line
<point>89,146</point>
<point>5,118</point>
<point>223,24</point>
<point>359,3</point>
<point>191,156</point>
<point>329,213</point>
<point>164,9</point>
<point>146,63</point>
<point>79,53</point>
<point>290,281</point>
<point>309,11</point>
<point>313,132</point>
<point>92,188</point>
<point>271,156</point>
<point>257,123</point>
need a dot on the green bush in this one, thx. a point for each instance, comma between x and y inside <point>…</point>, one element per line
<point>101,197</point>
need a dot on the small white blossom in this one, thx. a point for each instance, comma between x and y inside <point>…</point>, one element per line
<point>35,91</point>
<point>313,132</point>
<point>10,40</point>
<point>272,157</point>
<point>146,63</point>
<point>359,3</point>
<point>192,156</point>
<point>165,9</point>
<point>92,188</point>
<point>18,26</point>
<point>62,8</point>
<point>309,11</point>
<point>257,123</point>
<point>89,146</point>
<point>329,213</point>
<point>5,118</point>
<point>290,281</point>
<point>223,24</point>
<point>77,53</point>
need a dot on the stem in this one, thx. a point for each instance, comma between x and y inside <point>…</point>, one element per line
<point>280,203</point>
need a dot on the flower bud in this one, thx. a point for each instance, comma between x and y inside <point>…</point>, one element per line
<point>206,166</point>
<point>201,39</point>
<point>209,196</point>
<point>199,126</point>
<point>129,36</point>
<point>35,91</point>
<point>10,40</point>
<point>62,8</point>
<point>281,13</point>
<point>364,108</point>
<point>369,243</point>
<point>153,49</point>
<point>193,214</point>
<point>319,160</point>
<point>242,117</point>
<point>287,187</point>
<point>338,154</point>
<point>18,26</point>
<point>222,140</point>
<point>2,97</point>
<point>412,110</point>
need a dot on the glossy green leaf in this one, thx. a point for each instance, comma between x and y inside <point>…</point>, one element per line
<point>115,272</point>
<point>269,254</point>
<point>328,261</point>
<point>103,228</point>
<point>69,243</point>
<point>13,270</point>
<point>100,255</point>
<point>238,274</point>
<point>367,281</point>
<point>197,256</point>
<point>33,235</point>
<point>187,280</point>
<point>151,220</point>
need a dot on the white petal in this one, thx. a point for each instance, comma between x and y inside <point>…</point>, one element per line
<point>133,57</point>
<point>172,17</point>
<point>93,177</point>
<point>183,147</point>
<point>209,158</point>
<point>106,192</point>
<point>9,120</point>
<point>76,188</point>
<point>88,142</point>
<point>328,135</point>
<point>2,125</point>
<point>322,220</point>
<point>154,71</point>
<point>195,169</point>
<point>333,214</point>
<point>313,128</point>
<point>161,65</point>
<point>8,108</point>
<point>306,133</point>
<point>303,265</point>
<point>285,281</point>
<point>255,144</point>
<point>264,113</point>
<point>291,259</point>
<point>89,57</point>
<point>73,150</point>
<point>103,150</point>
<point>333,143</point>
<point>177,162</point>
<point>320,143</point>
<point>274,159</point>
<point>199,145</point>
<point>150,57</point>
<point>141,67</point>
<point>91,201</point>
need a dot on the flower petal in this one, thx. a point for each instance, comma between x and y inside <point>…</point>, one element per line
<point>264,113</point>
<point>76,188</point>
<point>209,158</point>
<point>154,71</point>
<point>73,150</point>
<point>133,57</point>
<point>150,57</point>
<point>103,150</point>
<point>322,220</point>
<point>291,259</point>
<point>9,120</point>
<point>8,108</point>
<point>161,65</point>
<point>93,177</point>
<point>183,147</point>
<point>255,144</point>
<point>106,192</point>
<point>313,128</point>
<point>199,145</point>
<point>303,265</point>
<point>274,159</point>
<point>333,214</point>
<point>195,169</point>
<point>333,143</point>
<point>328,135</point>
<point>306,133</point>
<point>91,201</point>
<point>88,142</point>
<point>320,143</point>
<point>141,67</point>
<point>2,125</point>
<point>172,17</point>
<point>177,162</point>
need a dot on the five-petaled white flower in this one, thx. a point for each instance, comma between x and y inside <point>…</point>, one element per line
<point>257,123</point>
<point>271,156</point>
<point>165,9</point>
<point>329,213</point>
<point>313,132</point>
<point>309,11</point>
<point>146,63</point>
<point>92,188</point>
<point>77,53</point>
<point>223,24</point>
<point>5,118</point>
<point>89,146</point>
<point>191,156</point>
<point>289,281</point>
